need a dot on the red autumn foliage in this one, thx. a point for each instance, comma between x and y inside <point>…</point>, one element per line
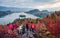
<point>5,32</point>
<point>53,23</point>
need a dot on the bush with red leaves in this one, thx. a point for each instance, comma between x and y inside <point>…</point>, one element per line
<point>8,33</point>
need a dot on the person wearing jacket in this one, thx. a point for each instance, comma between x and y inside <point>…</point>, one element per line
<point>32,27</point>
<point>11,26</point>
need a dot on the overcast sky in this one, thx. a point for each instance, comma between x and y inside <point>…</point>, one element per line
<point>38,4</point>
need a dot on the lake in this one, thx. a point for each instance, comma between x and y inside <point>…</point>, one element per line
<point>10,18</point>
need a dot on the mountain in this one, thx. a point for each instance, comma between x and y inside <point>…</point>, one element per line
<point>39,13</point>
<point>14,9</point>
<point>4,13</point>
<point>8,10</point>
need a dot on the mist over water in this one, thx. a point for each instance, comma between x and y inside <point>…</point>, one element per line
<point>10,18</point>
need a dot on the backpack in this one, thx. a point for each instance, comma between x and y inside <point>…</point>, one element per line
<point>32,26</point>
<point>11,26</point>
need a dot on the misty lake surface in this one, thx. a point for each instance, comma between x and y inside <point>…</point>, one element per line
<point>10,18</point>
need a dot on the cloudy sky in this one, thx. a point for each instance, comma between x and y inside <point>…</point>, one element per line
<point>37,4</point>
